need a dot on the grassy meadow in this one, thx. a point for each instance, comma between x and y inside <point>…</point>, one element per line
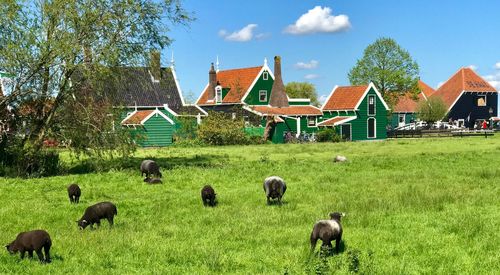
<point>413,206</point>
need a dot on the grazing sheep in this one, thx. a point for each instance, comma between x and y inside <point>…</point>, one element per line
<point>32,241</point>
<point>275,188</point>
<point>74,193</point>
<point>94,214</point>
<point>152,180</point>
<point>339,159</point>
<point>327,231</point>
<point>208,195</point>
<point>150,167</point>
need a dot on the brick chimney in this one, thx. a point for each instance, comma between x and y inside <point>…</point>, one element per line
<point>278,96</point>
<point>212,82</point>
<point>154,65</point>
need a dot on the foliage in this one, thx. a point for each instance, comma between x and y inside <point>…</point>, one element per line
<point>302,90</point>
<point>389,67</point>
<point>188,129</point>
<point>432,110</point>
<point>385,199</point>
<point>219,128</point>
<point>328,135</point>
<point>56,49</point>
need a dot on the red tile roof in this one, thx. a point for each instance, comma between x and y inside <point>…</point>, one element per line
<point>336,120</point>
<point>426,89</point>
<point>463,80</point>
<point>345,98</point>
<point>237,80</point>
<point>136,118</point>
<point>291,110</point>
<point>408,103</point>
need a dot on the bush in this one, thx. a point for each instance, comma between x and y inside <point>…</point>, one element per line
<point>328,135</point>
<point>220,129</point>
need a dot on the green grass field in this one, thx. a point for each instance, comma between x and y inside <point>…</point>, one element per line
<point>413,206</point>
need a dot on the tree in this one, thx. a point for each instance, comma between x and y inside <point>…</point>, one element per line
<point>220,128</point>
<point>389,67</point>
<point>302,90</point>
<point>45,44</point>
<point>432,110</point>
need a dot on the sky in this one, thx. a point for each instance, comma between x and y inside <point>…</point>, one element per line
<point>320,41</point>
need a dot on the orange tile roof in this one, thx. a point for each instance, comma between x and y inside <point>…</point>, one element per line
<point>407,103</point>
<point>237,80</point>
<point>335,121</point>
<point>463,80</point>
<point>291,110</point>
<point>426,89</point>
<point>345,98</point>
<point>137,117</point>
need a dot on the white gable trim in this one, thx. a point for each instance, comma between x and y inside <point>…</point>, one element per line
<point>172,69</point>
<point>202,92</point>
<point>329,96</point>
<point>371,85</point>
<point>154,113</point>
<point>165,106</point>
<point>348,119</point>
<point>129,116</point>
<point>298,99</point>
<point>455,101</point>
<point>264,67</point>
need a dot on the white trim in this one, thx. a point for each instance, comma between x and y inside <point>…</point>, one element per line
<point>329,96</point>
<point>260,91</point>
<point>368,128</point>
<point>264,68</point>
<point>156,111</point>
<point>129,116</point>
<point>298,100</point>
<point>371,85</point>
<point>340,122</point>
<point>315,121</point>
<point>485,100</point>
<point>197,107</point>
<point>298,128</point>
<point>265,75</point>
<point>174,74</point>
<point>374,106</point>
<point>165,106</point>
<point>217,90</point>
<point>454,102</point>
<point>202,92</point>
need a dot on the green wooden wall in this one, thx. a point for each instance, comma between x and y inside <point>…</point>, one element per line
<point>300,103</point>
<point>261,84</point>
<point>408,118</point>
<point>156,132</point>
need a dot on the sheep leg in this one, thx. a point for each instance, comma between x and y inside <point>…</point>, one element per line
<point>268,200</point>
<point>77,200</point>
<point>22,254</point>
<point>337,244</point>
<point>30,254</point>
<point>40,255</point>
<point>314,239</point>
<point>98,224</point>
<point>70,199</point>
<point>46,248</point>
<point>110,220</point>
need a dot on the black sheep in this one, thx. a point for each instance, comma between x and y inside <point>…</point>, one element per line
<point>74,193</point>
<point>94,214</point>
<point>208,195</point>
<point>152,180</point>
<point>275,188</point>
<point>327,231</point>
<point>32,241</point>
<point>150,167</point>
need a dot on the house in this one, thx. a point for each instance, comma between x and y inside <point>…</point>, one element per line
<point>152,100</point>
<point>259,96</point>
<point>469,98</point>
<point>405,110</point>
<point>356,112</point>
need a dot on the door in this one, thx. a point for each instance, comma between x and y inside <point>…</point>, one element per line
<point>401,120</point>
<point>371,128</point>
<point>345,131</point>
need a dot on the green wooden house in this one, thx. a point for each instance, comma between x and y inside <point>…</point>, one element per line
<point>248,92</point>
<point>405,110</point>
<point>356,112</point>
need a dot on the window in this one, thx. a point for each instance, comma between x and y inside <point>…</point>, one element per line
<point>246,119</point>
<point>218,94</point>
<point>311,121</point>
<point>265,76</point>
<point>263,96</point>
<point>401,118</point>
<point>371,105</point>
<point>371,128</point>
<point>481,100</point>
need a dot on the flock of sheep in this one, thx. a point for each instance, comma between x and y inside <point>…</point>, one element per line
<point>274,188</point>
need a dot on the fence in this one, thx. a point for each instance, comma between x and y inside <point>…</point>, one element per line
<point>438,133</point>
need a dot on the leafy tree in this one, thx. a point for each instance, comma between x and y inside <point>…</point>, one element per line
<point>432,110</point>
<point>56,48</point>
<point>302,90</point>
<point>219,128</point>
<point>389,67</point>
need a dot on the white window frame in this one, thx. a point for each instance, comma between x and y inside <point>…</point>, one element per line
<point>477,102</point>
<point>261,92</point>
<point>309,124</point>
<point>461,122</point>
<point>218,94</point>
<point>401,116</point>
<point>374,127</point>
<point>265,75</point>
<point>374,105</point>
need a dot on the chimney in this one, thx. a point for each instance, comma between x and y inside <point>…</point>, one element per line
<point>212,82</point>
<point>154,65</point>
<point>278,96</point>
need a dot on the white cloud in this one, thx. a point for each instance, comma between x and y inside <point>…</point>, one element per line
<point>497,66</point>
<point>313,64</point>
<point>311,76</point>
<point>319,20</point>
<point>494,80</point>
<point>262,36</point>
<point>243,35</point>
<point>473,67</point>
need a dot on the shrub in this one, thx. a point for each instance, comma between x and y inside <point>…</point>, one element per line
<point>220,129</point>
<point>328,135</point>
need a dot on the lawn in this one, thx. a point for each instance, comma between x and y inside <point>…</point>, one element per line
<point>413,206</point>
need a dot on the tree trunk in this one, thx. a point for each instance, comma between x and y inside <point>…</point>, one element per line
<point>269,126</point>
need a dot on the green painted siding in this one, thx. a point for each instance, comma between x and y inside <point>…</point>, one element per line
<point>260,85</point>
<point>289,124</point>
<point>408,118</point>
<point>295,103</point>
<point>156,132</point>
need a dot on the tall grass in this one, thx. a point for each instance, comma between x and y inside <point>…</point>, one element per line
<point>413,206</point>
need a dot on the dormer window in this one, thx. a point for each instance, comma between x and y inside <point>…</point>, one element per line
<point>262,96</point>
<point>265,76</point>
<point>218,94</point>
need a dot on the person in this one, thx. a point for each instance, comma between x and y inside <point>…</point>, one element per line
<point>485,125</point>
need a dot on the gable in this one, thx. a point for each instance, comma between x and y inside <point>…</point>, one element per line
<point>350,97</point>
<point>253,96</point>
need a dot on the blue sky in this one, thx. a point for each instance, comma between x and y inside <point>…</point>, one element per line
<point>441,36</point>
